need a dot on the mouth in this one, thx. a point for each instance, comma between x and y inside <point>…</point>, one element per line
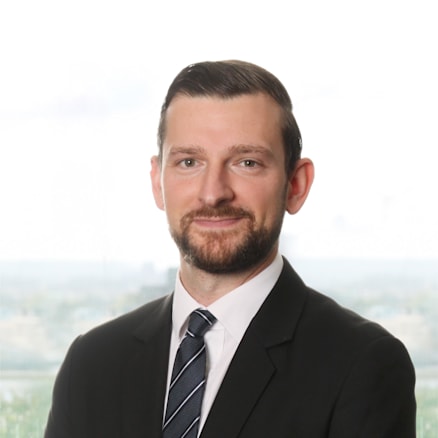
<point>217,222</point>
<point>223,218</point>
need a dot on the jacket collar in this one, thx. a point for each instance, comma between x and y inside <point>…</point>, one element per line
<point>253,365</point>
<point>145,372</point>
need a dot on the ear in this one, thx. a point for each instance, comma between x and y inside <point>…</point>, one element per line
<point>156,182</point>
<point>300,181</point>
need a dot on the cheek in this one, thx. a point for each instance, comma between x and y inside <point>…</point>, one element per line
<point>180,191</point>
<point>272,206</point>
<point>177,201</point>
<point>173,195</point>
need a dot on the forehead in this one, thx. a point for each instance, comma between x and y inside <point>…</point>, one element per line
<point>255,116</point>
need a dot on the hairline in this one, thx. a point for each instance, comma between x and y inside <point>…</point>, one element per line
<point>285,116</point>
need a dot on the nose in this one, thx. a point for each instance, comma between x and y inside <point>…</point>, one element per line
<point>215,187</point>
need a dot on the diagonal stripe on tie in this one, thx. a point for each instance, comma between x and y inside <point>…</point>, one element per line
<point>188,380</point>
<point>185,366</point>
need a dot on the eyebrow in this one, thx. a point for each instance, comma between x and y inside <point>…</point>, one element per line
<point>189,149</point>
<point>234,149</point>
<point>249,148</point>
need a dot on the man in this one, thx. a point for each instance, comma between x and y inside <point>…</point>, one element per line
<point>275,358</point>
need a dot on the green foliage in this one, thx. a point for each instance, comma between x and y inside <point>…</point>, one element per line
<point>24,411</point>
<point>427,417</point>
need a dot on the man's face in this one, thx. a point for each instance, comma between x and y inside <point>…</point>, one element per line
<point>222,180</point>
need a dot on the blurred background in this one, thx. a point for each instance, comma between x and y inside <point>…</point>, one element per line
<point>81,241</point>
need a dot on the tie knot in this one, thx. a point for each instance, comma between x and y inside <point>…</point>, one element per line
<point>200,321</point>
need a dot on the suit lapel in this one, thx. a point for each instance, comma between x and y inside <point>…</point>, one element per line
<point>253,364</point>
<point>145,375</point>
<point>246,378</point>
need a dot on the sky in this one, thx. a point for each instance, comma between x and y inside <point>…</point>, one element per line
<point>81,88</point>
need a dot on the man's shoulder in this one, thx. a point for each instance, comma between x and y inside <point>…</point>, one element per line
<point>325,333</point>
<point>320,319</point>
<point>321,310</point>
<point>332,316</point>
<point>117,330</point>
<point>340,337</point>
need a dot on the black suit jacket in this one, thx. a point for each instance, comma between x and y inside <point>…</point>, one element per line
<point>306,368</point>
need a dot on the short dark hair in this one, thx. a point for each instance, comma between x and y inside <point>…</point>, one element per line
<point>227,79</point>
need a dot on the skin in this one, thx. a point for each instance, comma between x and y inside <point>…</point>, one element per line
<point>220,153</point>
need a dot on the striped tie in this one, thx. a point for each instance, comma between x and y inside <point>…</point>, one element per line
<point>188,380</point>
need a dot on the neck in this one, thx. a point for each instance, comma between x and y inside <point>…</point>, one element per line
<point>206,288</point>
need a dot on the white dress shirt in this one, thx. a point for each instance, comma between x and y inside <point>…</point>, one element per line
<point>234,311</point>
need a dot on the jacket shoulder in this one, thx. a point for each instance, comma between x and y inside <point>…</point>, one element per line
<point>119,333</point>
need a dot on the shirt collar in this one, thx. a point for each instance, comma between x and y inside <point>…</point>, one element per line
<point>235,310</point>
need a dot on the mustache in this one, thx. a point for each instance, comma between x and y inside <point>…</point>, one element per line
<point>225,211</point>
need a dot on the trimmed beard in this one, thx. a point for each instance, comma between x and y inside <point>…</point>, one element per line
<point>224,252</point>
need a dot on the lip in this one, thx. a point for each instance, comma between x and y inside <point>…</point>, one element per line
<point>216,222</point>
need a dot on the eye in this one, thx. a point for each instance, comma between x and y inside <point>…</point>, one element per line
<point>249,163</point>
<point>187,162</point>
